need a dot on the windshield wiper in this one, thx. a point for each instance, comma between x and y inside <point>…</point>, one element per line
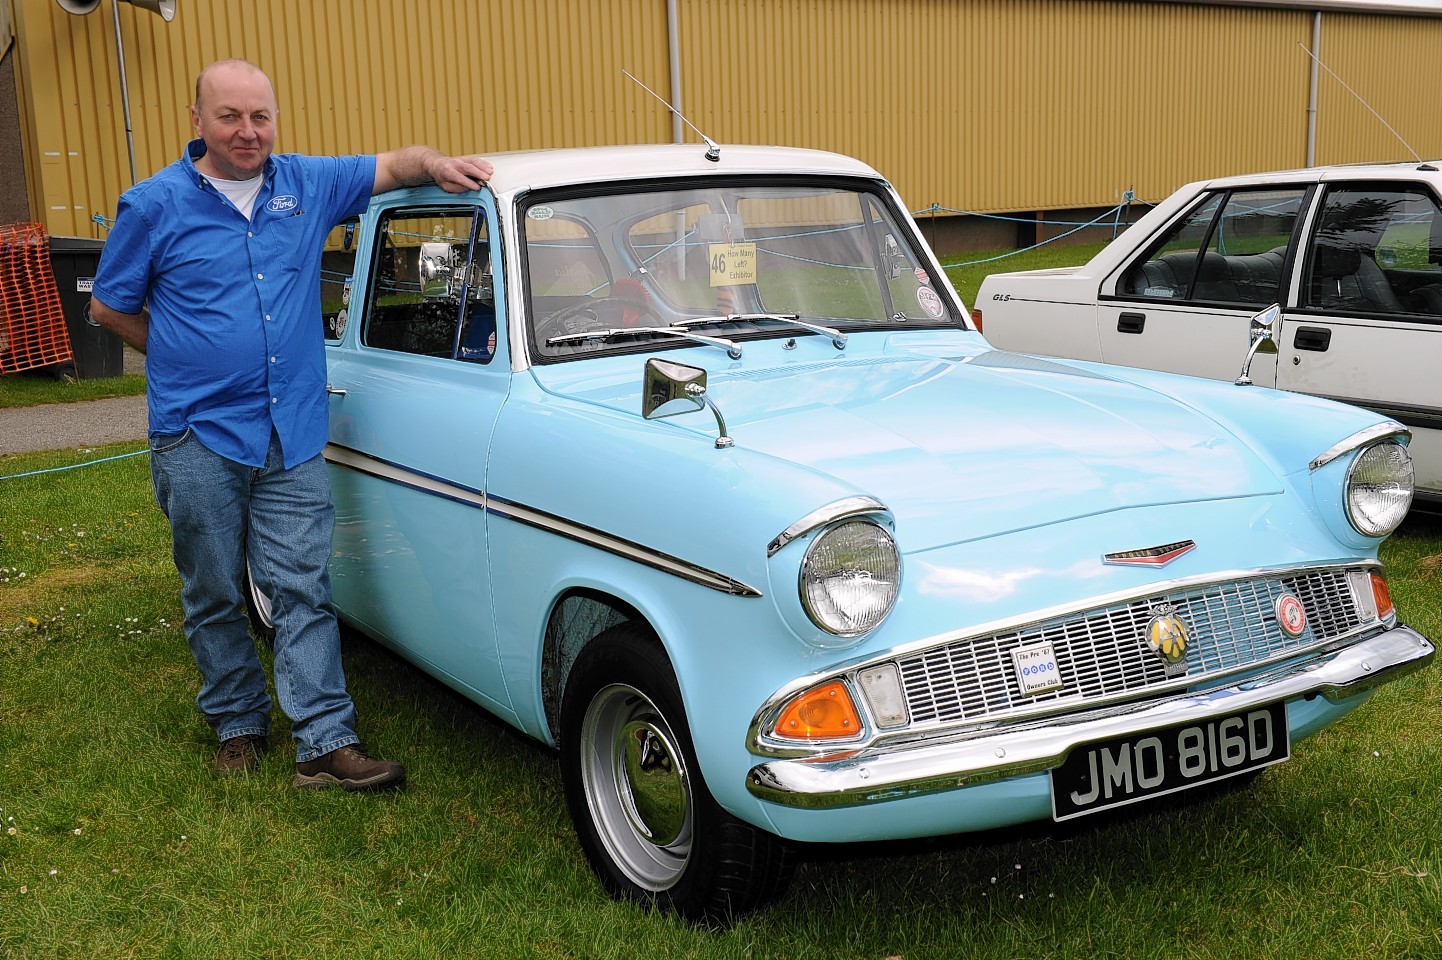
<point>838,339</point>
<point>733,350</point>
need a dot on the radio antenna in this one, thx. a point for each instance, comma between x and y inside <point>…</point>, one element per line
<point>713,152</point>
<point>1364,103</point>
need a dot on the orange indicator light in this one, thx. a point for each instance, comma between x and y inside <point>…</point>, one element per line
<point>821,713</point>
<point>1383,596</point>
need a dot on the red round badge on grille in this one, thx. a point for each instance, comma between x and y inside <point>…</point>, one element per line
<point>1291,615</point>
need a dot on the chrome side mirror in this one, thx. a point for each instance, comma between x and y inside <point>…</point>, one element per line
<point>435,267</point>
<point>1266,330</point>
<point>670,389</point>
<point>891,256</point>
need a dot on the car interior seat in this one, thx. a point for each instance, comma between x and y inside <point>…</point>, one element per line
<point>1344,278</point>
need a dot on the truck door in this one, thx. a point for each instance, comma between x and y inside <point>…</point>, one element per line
<point>1368,328</point>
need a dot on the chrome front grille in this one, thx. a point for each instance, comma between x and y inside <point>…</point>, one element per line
<point>1104,653</point>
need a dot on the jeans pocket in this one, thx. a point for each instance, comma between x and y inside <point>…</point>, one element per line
<point>166,442</point>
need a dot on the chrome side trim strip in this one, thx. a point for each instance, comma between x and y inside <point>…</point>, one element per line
<point>1359,439</point>
<point>878,775</point>
<point>836,510</point>
<point>541,520</point>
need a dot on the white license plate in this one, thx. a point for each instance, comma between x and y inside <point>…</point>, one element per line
<point>1099,776</point>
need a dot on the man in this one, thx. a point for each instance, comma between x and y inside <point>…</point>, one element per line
<point>213,271</point>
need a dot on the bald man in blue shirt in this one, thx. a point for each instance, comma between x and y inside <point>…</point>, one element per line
<point>213,270</point>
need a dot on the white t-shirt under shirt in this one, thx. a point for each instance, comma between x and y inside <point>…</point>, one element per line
<point>242,193</point>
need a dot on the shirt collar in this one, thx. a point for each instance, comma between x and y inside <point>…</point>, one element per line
<point>196,149</point>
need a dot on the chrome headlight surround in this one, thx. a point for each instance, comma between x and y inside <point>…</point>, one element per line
<point>1379,486</point>
<point>850,577</point>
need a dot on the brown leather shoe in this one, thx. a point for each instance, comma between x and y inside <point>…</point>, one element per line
<point>350,768</point>
<point>239,755</point>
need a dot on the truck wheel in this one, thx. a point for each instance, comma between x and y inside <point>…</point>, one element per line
<point>645,819</point>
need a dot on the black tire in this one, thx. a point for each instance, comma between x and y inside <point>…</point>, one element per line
<point>645,819</point>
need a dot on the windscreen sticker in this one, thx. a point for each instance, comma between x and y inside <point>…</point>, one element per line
<point>922,276</point>
<point>930,302</point>
<point>540,213</point>
<point>732,263</point>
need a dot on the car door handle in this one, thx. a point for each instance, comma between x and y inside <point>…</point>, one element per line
<point>334,391</point>
<point>1313,338</point>
<point>1131,322</point>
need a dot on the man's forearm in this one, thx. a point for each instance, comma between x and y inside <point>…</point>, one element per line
<point>133,328</point>
<point>410,166</point>
<point>415,165</point>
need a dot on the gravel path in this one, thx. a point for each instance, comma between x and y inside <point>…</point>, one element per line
<point>63,426</point>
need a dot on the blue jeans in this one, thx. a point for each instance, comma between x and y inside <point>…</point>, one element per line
<point>217,510</point>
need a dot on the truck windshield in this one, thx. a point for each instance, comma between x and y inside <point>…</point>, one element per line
<point>825,253</point>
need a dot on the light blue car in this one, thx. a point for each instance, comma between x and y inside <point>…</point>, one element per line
<point>694,469</point>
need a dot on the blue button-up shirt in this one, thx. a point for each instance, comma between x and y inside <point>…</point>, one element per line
<point>236,346</point>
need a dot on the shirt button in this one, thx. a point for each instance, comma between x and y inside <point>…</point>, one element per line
<point>267,318</point>
<point>260,276</point>
<point>272,359</point>
<point>248,233</point>
<point>274,400</point>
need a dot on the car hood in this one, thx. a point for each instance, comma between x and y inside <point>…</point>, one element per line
<point>971,446</point>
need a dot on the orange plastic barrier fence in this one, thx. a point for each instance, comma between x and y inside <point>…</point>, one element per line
<point>32,322</point>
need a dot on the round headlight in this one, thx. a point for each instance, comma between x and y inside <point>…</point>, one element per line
<point>1379,488</point>
<point>850,577</point>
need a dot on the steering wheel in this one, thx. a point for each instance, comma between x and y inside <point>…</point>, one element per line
<point>632,310</point>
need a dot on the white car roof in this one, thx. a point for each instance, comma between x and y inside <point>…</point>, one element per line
<point>534,169</point>
<point>1408,170</point>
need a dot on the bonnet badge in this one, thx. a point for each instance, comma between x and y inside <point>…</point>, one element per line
<point>1167,636</point>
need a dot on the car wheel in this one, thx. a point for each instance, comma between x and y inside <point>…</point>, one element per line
<point>645,818</point>
<point>257,607</point>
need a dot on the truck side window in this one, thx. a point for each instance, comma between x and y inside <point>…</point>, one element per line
<point>337,266</point>
<point>1377,249</point>
<point>1232,249</point>
<point>424,296</point>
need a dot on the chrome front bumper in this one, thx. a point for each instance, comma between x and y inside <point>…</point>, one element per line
<point>895,771</point>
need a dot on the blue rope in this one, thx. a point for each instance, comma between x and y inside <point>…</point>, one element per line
<point>76,466</point>
<point>1127,198</point>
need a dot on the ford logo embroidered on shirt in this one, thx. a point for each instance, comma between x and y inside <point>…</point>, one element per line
<point>282,204</point>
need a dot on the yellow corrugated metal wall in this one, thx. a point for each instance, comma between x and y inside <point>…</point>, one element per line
<point>350,76</point>
<point>1390,64</point>
<point>981,105</point>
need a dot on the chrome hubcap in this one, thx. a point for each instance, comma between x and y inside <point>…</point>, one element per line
<point>637,786</point>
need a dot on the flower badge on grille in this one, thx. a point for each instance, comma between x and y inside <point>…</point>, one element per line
<point>1167,635</point>
<point>1291,615</point>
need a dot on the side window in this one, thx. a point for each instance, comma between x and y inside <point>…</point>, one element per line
<point>1377,248</point>
<point>1231,249</point>
<point>430,289</point>
<point>337,266</point>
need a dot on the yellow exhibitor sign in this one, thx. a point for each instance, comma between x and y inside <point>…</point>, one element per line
<point>732,263</point>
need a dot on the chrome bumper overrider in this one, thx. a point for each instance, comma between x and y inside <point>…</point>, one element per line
<point>895,771</point>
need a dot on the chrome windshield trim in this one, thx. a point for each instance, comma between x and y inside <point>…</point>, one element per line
<point>541,520</point>
<point>854,778</point>
<point>836,510</point>
<point>1360,439</point>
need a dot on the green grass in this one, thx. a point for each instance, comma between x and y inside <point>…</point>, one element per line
<point>967,270</point>
<point>30,389</point>
<point>124,845</point>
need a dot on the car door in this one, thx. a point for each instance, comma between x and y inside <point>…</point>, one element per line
<point>416,383</point>
<point>1185,302</point>
<point>1367,328</point>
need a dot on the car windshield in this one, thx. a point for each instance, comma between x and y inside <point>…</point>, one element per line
<point>736,260</point>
